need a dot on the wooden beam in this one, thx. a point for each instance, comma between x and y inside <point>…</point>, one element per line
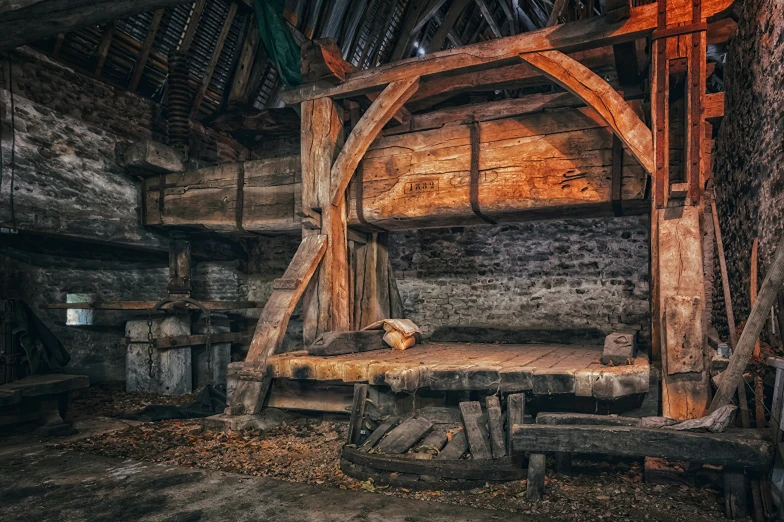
<point>427,14</point>
<point>556,11</point>
<point>580,35</point>
<point>437,89</point>
<point>144,52</point>
<point>239,84</point>
<point>489,18</point>
<point>733,375</point>
<point>103,48</point>
<point>402,47</point>
<point>744,449</point>
<point>205,82</point>
<point>380,112</point>
<point>193,24</point>
<point>713,105</point>
<point>598,94</point>
<point>271,327</point>
<point>447,24</point>
<point>147,305</point>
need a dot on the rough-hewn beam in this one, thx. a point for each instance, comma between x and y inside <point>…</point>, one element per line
<point>34,21</point>
<point>588,86</point>
<point>380,112</point>
<point>583,34</point>
<point>141,61</point>
<point>205,82</point>
<point>437,42</point>
<point>489,18</point>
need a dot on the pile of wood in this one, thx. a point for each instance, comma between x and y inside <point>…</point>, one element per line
<point>457,448</point>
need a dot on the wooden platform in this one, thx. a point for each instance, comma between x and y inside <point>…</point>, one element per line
<point>542,369</point>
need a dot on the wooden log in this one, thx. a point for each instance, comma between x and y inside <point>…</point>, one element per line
<point>584,419</point>
<point>539,165</point>
<point>593,90</point>
<point>495,425</point>
<point>381,430</point>
<point>494,469</point>
<point>476,431</point>
<point>357,413</point>
<point>401,438</point>
<point>338,343</point>
<point>759,313</point>
<point>734,448</point>
<point>536,472</point>
<point>456,447</point>
<point>583,34</point>
<point>515,413</point>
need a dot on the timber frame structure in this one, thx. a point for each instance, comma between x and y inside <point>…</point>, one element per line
<point>340,171</point>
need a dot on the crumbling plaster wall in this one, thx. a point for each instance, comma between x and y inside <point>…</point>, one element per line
<point>749,154</point>
<point>548,274</point>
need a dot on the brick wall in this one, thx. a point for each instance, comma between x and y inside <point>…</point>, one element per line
<point>749,155</point>
<point>548,274</point>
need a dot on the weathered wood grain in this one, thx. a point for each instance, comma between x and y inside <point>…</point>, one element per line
<point>593,90</point>
<point>495,424</point>
<point>401,438</point>
<point>735,448</point>
<point>476,431</point>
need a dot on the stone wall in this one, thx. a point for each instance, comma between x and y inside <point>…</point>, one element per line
<point>749,157</point>
<point>547,274</point>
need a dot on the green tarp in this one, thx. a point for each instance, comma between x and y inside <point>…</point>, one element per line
<point>278,40</point>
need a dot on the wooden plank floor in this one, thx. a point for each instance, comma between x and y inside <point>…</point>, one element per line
<point>541,369</point>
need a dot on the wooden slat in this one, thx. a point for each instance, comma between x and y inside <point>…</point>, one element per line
<point>598,94</point>
<point>476,432</point>
<point>455,9</point>
<point>495,425</point>
<point>239,84</point>
<point>489,18</point>
<point>193,24</point>
<point>370,124</point>
<point>357,413</point>
<point>428,13</point>
<point>584,34</point>
<point>381,430</point>
<point>103,48</point>
<point>208,72</point>
<point>401,438</point>
<point>141,61</point>
<point>557,10</point>
<point>456,447</point>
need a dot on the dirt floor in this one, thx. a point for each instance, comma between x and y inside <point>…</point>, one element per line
<point>307,450</point>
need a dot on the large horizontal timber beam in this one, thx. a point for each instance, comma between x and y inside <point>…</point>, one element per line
<point>28,21</point>
<point>584,34</point>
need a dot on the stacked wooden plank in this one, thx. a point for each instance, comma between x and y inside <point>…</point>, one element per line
<point>467,444</point>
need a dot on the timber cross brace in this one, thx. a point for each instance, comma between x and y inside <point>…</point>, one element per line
<point>347,266</point>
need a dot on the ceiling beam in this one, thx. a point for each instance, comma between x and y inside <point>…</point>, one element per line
<point>583,34</point>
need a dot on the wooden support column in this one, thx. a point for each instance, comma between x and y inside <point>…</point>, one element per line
<point>677,296</point>
<point>375,295</point>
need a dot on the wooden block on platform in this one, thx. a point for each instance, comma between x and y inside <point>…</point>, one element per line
<point>476,431</point>
<point>495,424</point>
<point>619,348</point>
<point>401,438</point>
<point>340,343</point>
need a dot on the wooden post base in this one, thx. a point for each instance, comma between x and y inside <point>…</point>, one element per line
<point>536,471</point>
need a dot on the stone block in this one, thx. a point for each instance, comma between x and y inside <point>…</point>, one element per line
<point>620,348</point>
<point>171,370</point>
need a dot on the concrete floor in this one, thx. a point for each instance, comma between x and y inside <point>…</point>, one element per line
<point>43,484</point>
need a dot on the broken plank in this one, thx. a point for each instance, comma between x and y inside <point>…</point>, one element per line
<point>495,424</point>
<point>400,439</point>
<point>380,431</point>
<point>515,413</point>
<point>476,431</point>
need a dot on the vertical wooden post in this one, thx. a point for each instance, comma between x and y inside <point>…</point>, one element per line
<point>321,138</point>
<point>677,276</point>
<point>179,267</point>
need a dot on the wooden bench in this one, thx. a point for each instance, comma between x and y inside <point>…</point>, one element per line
<point>39,398</point>
<point>736,450</point>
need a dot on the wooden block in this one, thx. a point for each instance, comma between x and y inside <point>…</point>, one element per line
<point>735,495</point>
<point>357,413</point>
<point>380,431</point>
<point>515,413</point>
<point>476,431</point>
<point>536,471</point>
<point>619,348</point>
<point>456,447</point>
<point>401,438</point>
<point>339,343</point>
<point>495,425</point>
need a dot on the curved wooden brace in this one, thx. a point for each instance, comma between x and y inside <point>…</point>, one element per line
<point>370,124</point>
<point>600,96</point>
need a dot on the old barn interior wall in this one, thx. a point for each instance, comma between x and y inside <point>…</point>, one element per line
<point>555,275</point>
<point>749,156</point>
<point>69,193</point>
